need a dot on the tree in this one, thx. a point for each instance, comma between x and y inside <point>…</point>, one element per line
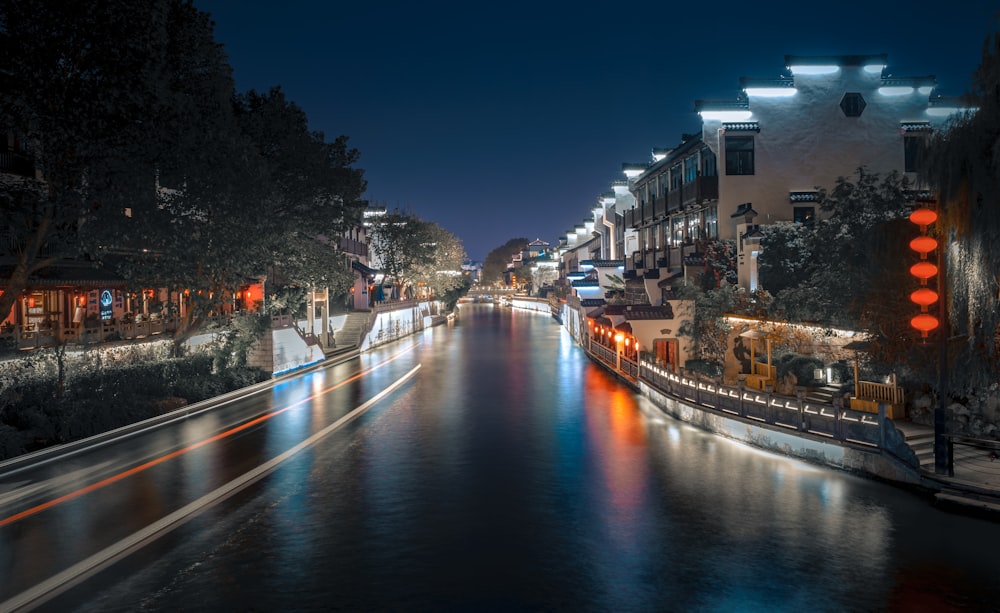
<point>402,245</point>
<point>496,261</point>
<point>839,258</point>
<point>441,272</point>
<point>786,255</point>
<point>963,166</point>
<point>80,94</point>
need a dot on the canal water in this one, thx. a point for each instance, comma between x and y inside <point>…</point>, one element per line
<point>512,474</point>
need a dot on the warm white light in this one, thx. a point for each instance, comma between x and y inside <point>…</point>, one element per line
<point>814,69</point>
<point>771,92</point>
<point>875,68</point>
<point>659,156</point>
<point>633,173</point>
<point>725,115</point>
<point>893,90</point>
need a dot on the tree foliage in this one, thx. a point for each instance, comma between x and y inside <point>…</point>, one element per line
<point>81,85</point>
<point>411,251</point>
<point>131,108</point>
<point>827,271</point>
<point>496,261</point>
<point>963,166</point>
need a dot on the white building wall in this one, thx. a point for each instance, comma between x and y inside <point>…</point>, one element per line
<point>806,141</point>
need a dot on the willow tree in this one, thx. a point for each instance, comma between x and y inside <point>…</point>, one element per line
<point>963,167</point>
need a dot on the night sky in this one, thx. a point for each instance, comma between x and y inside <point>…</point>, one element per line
<point>505,119</point>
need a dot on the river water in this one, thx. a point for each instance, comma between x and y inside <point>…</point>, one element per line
<point>512,474</point>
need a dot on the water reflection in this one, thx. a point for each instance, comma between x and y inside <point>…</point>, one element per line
<point>513,474</point>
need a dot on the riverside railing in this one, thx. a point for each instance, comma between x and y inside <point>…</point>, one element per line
<point>791,413</point>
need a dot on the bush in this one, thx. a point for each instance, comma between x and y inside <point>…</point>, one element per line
<point>705,367</point>
<point>803,367</point>
<point>107,395</point>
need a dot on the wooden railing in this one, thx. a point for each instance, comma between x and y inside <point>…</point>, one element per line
<point>880,392</point>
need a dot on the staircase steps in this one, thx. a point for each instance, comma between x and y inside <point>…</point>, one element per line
<point>921,440</point>
<point>350,334</point>
<point>823,395</point>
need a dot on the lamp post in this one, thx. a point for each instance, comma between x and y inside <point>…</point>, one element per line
<point>618,350</point>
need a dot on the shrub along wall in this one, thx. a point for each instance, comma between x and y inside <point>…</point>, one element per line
<point>102,391</point>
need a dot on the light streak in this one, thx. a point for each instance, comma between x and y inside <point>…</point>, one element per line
<point>179,452</point>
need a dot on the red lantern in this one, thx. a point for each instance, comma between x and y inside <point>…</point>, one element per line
<point>31,302</point>
<point>924,297</point>
<point>925,323</point>
<point>923,217</point>
<point>923,245</point>
<point>923,270</point>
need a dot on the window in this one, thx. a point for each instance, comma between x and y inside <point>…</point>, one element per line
<point>804,214</point>
<point>913,151</point>
<point>690,169</point>
<point>675,176</point>
<point>739,155</point>
<point>853,104</point>
<point>712,223</point>
<point>693,227</point>
<point>677,223</point>
<point>708,168</point>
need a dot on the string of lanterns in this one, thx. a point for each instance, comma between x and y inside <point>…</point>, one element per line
<point>924,270</point>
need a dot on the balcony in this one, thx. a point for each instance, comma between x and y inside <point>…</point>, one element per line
<point>354,247</point>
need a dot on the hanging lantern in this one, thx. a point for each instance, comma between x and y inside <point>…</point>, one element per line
<point>923,217</point>
<point>924,297</point>
<point>924,323</point>
<point>31,302</point>
<point>923,245</point>
<point>923,271</point>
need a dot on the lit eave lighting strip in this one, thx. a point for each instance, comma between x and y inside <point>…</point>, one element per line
<point>818,69</point>
<point>771,92</point>
<point>896,90</point>
<point>725,115</point>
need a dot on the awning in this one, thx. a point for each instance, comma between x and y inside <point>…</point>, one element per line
<point>755,334</point>
<point>358,266</point>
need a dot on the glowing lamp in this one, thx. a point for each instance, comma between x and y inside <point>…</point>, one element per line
<point>619,337</point>
<point>924,297</point>
<point>923,270</point>
<point>31,302</point>
<point>81,301</point>
<point>923,217</point>
<point>924,323</point>
<point>923,245</point>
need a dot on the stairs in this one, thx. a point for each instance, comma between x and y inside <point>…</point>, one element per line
<point>921,440</point>
<point>349,335</point>
<point>824,395</point>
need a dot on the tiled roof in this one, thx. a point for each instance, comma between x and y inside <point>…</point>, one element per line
<point>603,263</point>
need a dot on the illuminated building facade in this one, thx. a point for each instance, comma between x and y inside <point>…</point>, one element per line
<point>760,157</point>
